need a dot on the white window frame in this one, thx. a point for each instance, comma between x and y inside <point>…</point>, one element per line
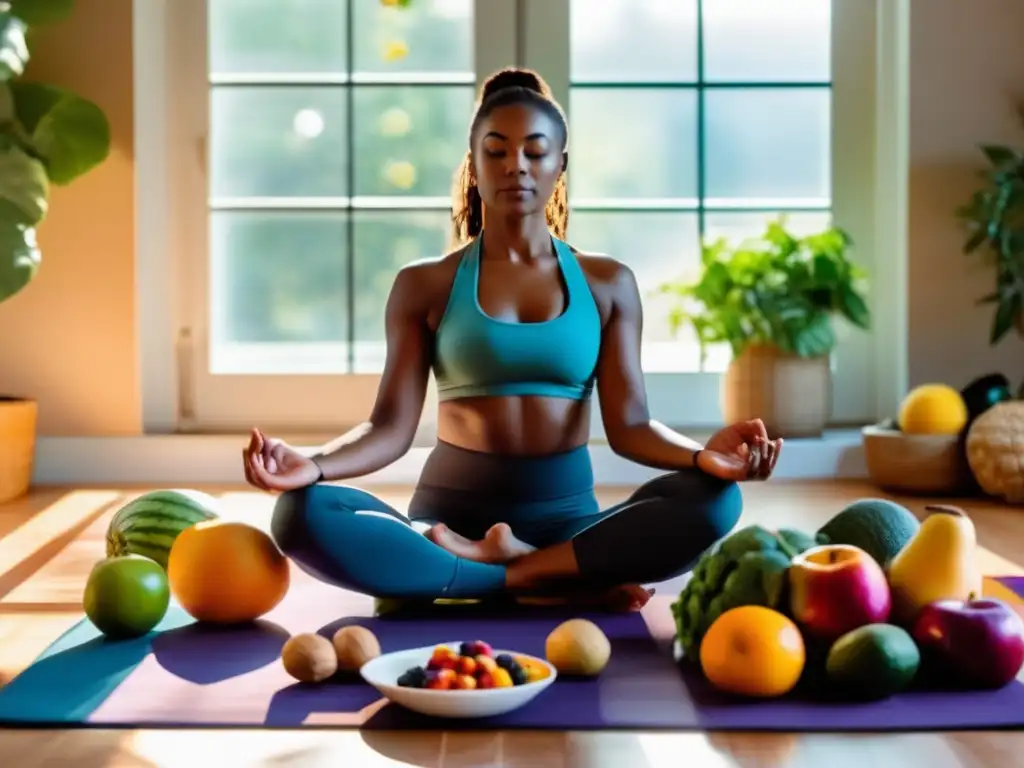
<point>869,199</point>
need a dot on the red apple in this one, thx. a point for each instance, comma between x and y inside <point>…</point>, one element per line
<point>978,641</point>
<point>836,588</point>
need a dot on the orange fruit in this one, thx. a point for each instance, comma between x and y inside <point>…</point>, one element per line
<point>753,651</point>
<point>227,572</point>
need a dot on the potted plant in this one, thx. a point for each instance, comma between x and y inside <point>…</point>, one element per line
<point>48,135</point>
<point>773,300</point>
<point>994,219</point>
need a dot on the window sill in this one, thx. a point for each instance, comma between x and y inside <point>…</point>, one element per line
<point>165,460</point>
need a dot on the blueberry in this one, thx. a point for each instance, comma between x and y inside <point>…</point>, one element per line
<point>416,677</point>
<point>505,661</point>
<point>518,675</point>
<point>467,649</point>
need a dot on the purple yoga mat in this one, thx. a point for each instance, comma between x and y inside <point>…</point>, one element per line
<point>194,676</point>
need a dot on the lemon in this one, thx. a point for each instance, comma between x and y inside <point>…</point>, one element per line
<point>932,409</point>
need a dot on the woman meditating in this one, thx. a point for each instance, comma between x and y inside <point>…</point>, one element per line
<point>519,329</point>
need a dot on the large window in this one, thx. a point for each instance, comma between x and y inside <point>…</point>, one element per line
<point>695,119</point>
<point>335,127</point>
<point>330,131</point>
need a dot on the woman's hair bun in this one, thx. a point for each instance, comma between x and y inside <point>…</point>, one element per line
<point>513,77</point>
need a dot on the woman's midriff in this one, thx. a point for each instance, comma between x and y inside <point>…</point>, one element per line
<point>520,426</point>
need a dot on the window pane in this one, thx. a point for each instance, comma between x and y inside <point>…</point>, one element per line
<point>768,144</point>
<point>385,241</point>
<point>767,40</point>
<point>410,140</point>
<point>658,247</point>
<point>301,36</point>
<point>738,226</point>
<point>633,143</point>
<point>425,36</point>
<point>277,142</point>
<point>633,40</point>
<point>278,277</point>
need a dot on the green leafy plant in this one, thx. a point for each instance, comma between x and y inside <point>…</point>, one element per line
<point>994,219</point>
<point>777,289</point>
<point>48,136</point>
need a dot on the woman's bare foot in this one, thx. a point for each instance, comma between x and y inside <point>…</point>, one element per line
<point>499,544</point>
<point>624,599</point>
<point>628,597</point>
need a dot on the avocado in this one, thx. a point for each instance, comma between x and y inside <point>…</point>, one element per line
<point>878,526</point>
<point>872,662</point>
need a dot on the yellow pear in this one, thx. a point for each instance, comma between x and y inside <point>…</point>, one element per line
<point>938,563</point>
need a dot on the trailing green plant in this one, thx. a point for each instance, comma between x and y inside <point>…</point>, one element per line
<point>48,136</point>
<point>994,219</point>
<point>777,289</point>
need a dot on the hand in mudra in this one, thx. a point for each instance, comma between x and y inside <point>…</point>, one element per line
<point>273,465</point>
<point>740,452</point>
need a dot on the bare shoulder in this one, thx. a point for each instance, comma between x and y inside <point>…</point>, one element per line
<point>608,274</point>
<point>612,283</point>
<point>432,268</point>
<point>421,287</point>
<point>425,277</point>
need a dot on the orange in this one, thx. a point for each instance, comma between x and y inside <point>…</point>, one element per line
<point>227,572</point>
<point>753,651</point>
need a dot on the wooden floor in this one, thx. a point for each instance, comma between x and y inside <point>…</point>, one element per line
<point>50,539</point>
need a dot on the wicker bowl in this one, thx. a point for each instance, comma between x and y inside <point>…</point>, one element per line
<point>916,464</point>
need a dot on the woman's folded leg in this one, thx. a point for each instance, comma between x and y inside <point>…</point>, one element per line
<point>655,535</point>
<point>351,539</point>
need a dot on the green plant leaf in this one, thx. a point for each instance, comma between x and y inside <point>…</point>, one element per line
<point>854,308</point>
<point>816,338</point>
<point>19,253</point>
<point>974,241</point>
<point>826,271</point>
<point>71,133</point>
<point>13,49</point>
<point>999,156</point>
<point>1007,311</point>
<point>35,12</point>
<point>24,185</point>
<point>775,289</point>
<point>715,284</point>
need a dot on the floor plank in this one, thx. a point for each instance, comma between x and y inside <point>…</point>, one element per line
<point>50,540</point>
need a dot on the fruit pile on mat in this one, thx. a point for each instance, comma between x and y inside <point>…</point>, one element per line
<point>872,604</point>
<point>168,543</point>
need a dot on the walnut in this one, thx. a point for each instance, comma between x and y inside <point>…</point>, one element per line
<point>995,451</point>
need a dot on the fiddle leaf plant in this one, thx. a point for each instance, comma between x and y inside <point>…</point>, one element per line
<point>777,289</point>
<point>994,219</point>
<point>48,136</point>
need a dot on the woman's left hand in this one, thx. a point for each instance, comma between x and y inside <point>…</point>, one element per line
<point>740,452</point>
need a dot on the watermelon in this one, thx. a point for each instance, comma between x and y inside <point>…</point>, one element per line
<point>149,525</point>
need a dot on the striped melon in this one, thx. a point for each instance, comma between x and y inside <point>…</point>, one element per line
<point>149,525</point>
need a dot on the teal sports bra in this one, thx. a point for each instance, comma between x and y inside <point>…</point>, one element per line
<point>476,355</point>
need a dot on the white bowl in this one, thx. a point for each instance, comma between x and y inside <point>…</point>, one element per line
<point>383,673</point>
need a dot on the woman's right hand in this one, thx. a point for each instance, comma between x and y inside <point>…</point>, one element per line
<point>273,465</point>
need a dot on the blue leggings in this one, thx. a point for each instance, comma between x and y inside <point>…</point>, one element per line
<point>351,539</point>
